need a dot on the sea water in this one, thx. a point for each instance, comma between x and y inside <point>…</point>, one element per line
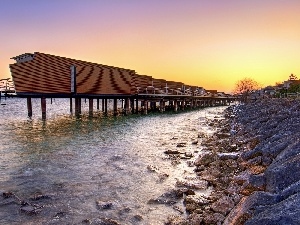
<point>73,163</point>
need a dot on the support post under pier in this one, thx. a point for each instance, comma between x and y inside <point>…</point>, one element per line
<point>29,107</point>
<point>43,105</point>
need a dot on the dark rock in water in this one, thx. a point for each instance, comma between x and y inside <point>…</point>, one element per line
<point>7,194</point>
<point>60,214</point>
<point>168,198</point>
<point>171,152</point>
<point>106,221</point>
<point>138,218</point>
<point>86,221</point>
<point>188,154</point>
<point>30,210</point>
<point>194,142</point>
<point>104,205</point>
<point>198,184</point>
<point>180,145</point>
<point>37,197</point>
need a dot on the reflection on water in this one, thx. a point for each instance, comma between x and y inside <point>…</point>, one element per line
<point>75,163</point>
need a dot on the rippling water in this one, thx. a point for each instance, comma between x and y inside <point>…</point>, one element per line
<point>77,162</point>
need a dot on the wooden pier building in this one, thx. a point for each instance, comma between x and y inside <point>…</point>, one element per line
<point>40,75</point>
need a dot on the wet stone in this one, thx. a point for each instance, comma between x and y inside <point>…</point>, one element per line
<point>106,221</point>
<point>180,145</point>
<point>30,210</point>
<point>171,152</point>
<point>104,205</point>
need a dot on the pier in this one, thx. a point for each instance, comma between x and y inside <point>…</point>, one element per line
<point>40,75</point>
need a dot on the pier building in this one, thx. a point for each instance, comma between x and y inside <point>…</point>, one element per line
<point>40,75</point>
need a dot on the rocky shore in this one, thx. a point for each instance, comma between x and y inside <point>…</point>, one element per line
<point>252,163</point>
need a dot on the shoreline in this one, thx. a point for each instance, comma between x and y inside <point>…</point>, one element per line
<point>252,163</point>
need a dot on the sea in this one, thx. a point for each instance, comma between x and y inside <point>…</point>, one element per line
<point>77,170</point>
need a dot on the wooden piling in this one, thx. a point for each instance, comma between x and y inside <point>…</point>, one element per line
<point>137,106</point>
<point>29,107</point>
<point>175,105</point>
<point>71,105</point>
<point>105,107</point>
<point>115,107</point>
<point>77,106</point>
<point>132,105</point>
<point>97,103</point>
<point>127,106</point>
<point>43,106</point>
<point>91,106</point>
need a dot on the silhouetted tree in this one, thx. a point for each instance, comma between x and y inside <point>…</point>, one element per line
<point>246,85</point>
<point>293,77</point>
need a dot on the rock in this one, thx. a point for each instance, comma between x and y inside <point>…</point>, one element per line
<point>104,205</point>
<point>181,145</point>
<point>172,152</point>
<point>245,208</point>
<point>282,213</point>
<point>29,209</point>
<point>194,142</point>
<point>205,158</point>
<point>281,174</point>
<point>193,202</point>
<point>106,221</point>
<point>225,156</point>
<point>223,205</point>
<point>195,219</point>
<point>138,218</point>
<point>254,183</point>
<point>215,218</point>
<point>188,154</point>
<point>7,194</point>
<point>199,184</point>
<point>168,198</point>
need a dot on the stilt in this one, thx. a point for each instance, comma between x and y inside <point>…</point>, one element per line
<point>51,101</point>
<point>43,105</point>
<point>132,105</point>
<point>105,107</point>
<point>127,106</point>
<point>71,105</point>
<point>103,104</point>
<point>161,105</point>
<point>175,106</point>
<point>115,107</point>
<point>145,107</point>
<point>77,106</point>
<point>91,106</point>
<point>97,103</point>
<point>137,106</point>
<point>29,107</point>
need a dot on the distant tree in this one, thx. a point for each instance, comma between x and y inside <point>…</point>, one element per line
<point>293,77</point>
<point>246,85</point>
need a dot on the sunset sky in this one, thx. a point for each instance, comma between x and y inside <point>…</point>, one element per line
<point>208,43</point>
